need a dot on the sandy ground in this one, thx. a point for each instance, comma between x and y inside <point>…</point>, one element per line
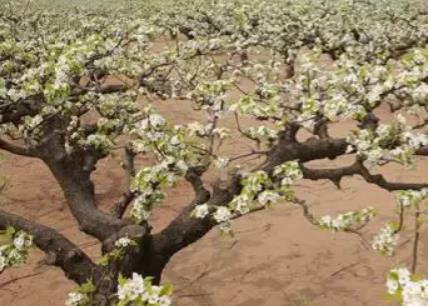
<point>276,258</point>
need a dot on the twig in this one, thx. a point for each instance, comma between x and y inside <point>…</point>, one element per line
<point>401,220</point>
<point>416,240</point>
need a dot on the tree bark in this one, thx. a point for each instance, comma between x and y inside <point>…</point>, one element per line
<point>60,251</point>
<point>79,192</point>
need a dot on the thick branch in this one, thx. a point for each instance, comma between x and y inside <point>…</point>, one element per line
<point>60,251</point>
<point>14,112</point>
<point>185,230</point>
<point>15,149</point>
<point>311,149</point>
<point>336,175</point>
<point>79,192</point>
<point>193,176</point>
<point>128,196</point>
<point>123,203</point>
<point>422,151</point>
<point>72,171</point>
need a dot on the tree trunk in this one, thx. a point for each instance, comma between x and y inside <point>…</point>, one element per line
<point>152,262</point>
<point>79,193</point>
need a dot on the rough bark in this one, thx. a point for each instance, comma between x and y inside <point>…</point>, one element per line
<point>15,148</point>
<point>311,149</point>
<point>79,192</point>
<point>60,251</point>
<point>335,175</point>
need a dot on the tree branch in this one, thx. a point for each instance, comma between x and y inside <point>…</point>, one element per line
<point>79,192</point>
<point>128,196</point>
<point>193,176</point>
<point>336,175</point>
<point>185,230</point>
<point>311,149</point>
<point>422,151</point>
<point>15,149</point>
<point>60,251</point>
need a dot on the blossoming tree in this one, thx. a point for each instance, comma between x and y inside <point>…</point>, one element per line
<point>77,85</point>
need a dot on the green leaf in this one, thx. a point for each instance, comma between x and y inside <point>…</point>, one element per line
<point>167,289</point>
<point>103,261</point>
<point>87,287</point>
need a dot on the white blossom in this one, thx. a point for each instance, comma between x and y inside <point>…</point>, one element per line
<point>74,299</point>
<point>410,291</point>
<point>268,197</point>
<point>408,198</point>
<point>222,214</point>
<point>138,288</point>
<point>122,242</point>
<point>2,262</point>
<point>19,242</point>
<point>15,252</point>
<point>221,162</point>
<point>201,211</point>
<point>343,222</point>
<point>386,240</point>
<point>132,288</point>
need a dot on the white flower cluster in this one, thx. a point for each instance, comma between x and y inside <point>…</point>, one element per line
<point>221,162</point>
<point>148,183</point>
<point>388,142</point>
<point>174,156</point>
<point>410,198</point>
<point>16,251</point>
<point>335,106</point>
<point>71,61</point>
<point>75,299</point>
<point>258,189</point>
<point>82,295</point>
<point>138,291</point>
<point>343,222</point>
<point>121,247</point>
<point>201,211</point>
<point>123,242</point>
<point>211,95</point>
<point>252,185</point>
<point>198,129</point>
<point>249,104</point>
<point>99,141</point>
<point>151,131</point>
<point>262,134</point>
<point>402,285</point>
<point>221,132</point>
<point>153,120</point>
<point>289,172</point>
<point>385,240</point>
<point>241,204</point>
<point>222,214</point>
<point>268,197</point>
<point>155,135</point>
<point>142,206</point>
